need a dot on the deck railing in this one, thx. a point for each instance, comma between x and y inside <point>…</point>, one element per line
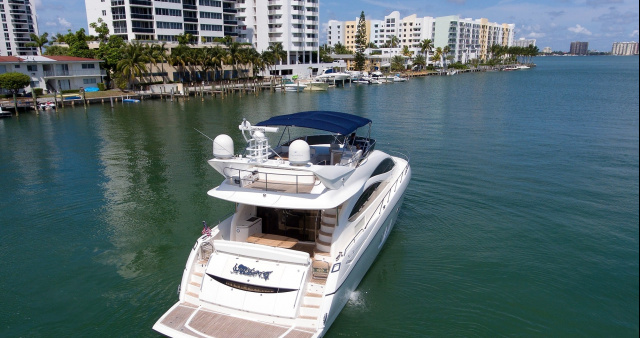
<point>282,182</point>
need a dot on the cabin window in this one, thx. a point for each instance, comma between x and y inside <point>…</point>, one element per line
<point>385,166</point>
<point>363,199</point>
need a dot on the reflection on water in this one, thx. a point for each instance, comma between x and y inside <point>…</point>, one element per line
<point>521,215</point>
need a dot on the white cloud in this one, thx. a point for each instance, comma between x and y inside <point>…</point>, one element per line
<point>64,23</point>
<point>634,33</point>
<point>580,30</point>
<point>536,35</point>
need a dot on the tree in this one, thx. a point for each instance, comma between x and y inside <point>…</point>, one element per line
<point>361,43</point>
<point>393,42</point>
<point>38,41</point>
<point>56,50</point>
<point>278,51</point>
<point>78,44</point>
<point>397,63</point>
<point>111,53</point>
<point>339,48</point>
<point>420,61</point>
<point>426,46</point>
<point>102,29</point>
<point>13,82</point>
<point>159,55</point>
<point>133,63</point>
<point>325,50</point>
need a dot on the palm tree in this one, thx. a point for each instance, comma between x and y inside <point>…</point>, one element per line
<point>420,61</point>
<point>445,51</point>
<point>278,52</point>
<point>38,41</point>
<point>437,55</point>
<point>393,42</point>
<point>133,63</point>
<point>234,57</point>
<point>218,55</point>
<point>159,53</point>
<point>426,45</point>
<point>397,63</point>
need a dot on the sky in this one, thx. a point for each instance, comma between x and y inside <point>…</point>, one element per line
<point>553,23</point>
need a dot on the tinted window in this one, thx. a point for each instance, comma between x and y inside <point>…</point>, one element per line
<point>384,167</point>
<point>364,198</point>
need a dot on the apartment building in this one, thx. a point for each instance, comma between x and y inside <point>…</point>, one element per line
<point>467,38</point>
<point>55,73</point>
<point>164,20</point>
<point>293,23</point>
<point>18,22</point>
<point>579,48</point>
<point>624,48</point>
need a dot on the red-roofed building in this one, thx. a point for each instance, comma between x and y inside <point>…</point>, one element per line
<point>55,73</point>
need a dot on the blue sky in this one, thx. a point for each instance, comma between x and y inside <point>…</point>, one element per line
<point>554,23</point>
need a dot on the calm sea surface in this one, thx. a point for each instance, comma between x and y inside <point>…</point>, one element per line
<point>521,218</point>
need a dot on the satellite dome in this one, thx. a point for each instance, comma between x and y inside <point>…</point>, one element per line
<point>299,153</point>
<point>223,146</point>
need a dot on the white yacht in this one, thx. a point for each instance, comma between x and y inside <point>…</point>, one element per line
<point>329,75</point>
<point>311,215</point>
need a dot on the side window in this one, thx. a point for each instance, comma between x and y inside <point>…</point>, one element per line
<point>363,199</point>
<point>384,167</point>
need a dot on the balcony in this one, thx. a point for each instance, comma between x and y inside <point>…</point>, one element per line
<point>142,16</point>
<point>142,30</point>
<point>140,3</point>
<point>191,20</point>
<point>70,73</point>
<point>229,10</point>
<point>230,22</point>
<point>189,7</point>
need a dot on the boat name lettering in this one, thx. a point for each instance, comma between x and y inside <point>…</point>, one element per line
<point>246,271</point>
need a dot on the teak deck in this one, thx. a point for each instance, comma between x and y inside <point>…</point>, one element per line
<point>187,318</point>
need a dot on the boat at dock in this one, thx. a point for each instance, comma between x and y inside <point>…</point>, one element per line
<point>311,215</point>
<point>294,87</point>
<point>317,86</point>
<point>5,113</point>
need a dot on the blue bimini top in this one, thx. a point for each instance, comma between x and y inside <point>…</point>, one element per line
<point>330,121</point>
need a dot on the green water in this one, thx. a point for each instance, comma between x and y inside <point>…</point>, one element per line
<point>521,217</point>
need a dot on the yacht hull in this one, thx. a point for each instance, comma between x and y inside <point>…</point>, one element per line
<point>361,264</point>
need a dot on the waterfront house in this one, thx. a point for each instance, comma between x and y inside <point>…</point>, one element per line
<point>55,73</point>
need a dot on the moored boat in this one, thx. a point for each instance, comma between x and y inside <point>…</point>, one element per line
<point>311,215</point>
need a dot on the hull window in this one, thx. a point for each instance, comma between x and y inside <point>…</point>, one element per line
<point>363,199</point>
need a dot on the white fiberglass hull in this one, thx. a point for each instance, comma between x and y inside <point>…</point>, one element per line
<point>364,257</point>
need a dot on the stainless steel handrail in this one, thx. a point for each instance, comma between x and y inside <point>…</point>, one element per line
<point>228,172</point>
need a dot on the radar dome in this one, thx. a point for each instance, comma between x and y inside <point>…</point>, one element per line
<point>223,146</point>
<point>299,153</point>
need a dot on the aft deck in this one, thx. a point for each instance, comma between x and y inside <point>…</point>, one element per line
<point>188,319</point>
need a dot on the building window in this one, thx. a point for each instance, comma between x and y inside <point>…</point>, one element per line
<point>89,81</point>
<point>88,66</point>
<point>32,68</point>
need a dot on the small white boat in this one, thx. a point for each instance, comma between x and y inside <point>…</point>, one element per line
<point>311,215</point>
<point>46,105</point>
<point>294,87</point>
<point>317,86</point>
<point>5,113</point>
<point>399,78</point>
